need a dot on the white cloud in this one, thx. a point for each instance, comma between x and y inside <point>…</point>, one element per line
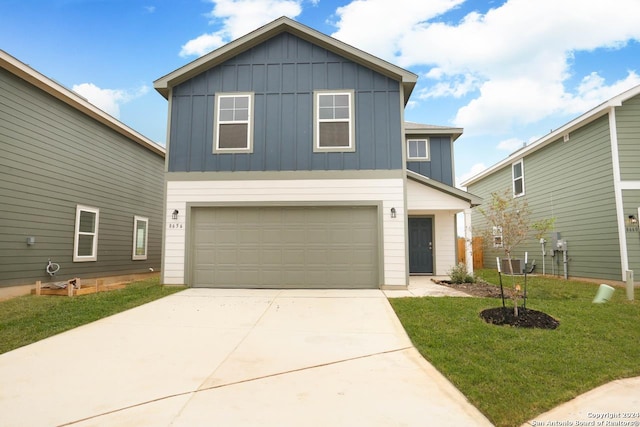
<point>108,100</point>
<point>512,62</point>
<point>237,18</point>
<point>475,170</point>
<point>375,27</point>
<point>510,145</point>
<point>202,44</point>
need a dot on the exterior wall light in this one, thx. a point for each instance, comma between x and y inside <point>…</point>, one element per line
<point>393,212</point>
<point>175,213</point>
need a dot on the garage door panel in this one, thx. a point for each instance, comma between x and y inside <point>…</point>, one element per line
<point>293,247</point>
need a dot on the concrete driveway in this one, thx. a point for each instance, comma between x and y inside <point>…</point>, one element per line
<point>206,357</point>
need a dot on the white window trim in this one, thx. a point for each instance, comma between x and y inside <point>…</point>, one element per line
<point>497,236</point>
<point>316,122</point>
<point>513,178</point>
<point>217,122</point>
<point>77,233</point>
<point>426,142</point>
<point>137,219</point>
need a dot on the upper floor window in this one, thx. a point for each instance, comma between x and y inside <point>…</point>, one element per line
<point>333,122</point>
<point>140,237</point>
<point>517,173</point>
<point>85,242</point>
<point>233,123</point>
<point>417,149</point>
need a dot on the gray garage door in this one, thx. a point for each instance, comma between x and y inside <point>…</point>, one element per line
<point>285,247</point>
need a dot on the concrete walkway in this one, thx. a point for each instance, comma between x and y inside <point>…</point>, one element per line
<point>206,357</point>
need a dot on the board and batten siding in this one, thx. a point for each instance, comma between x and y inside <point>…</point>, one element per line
<point>387,193</point>
<point>55,158</point>
<point>440,163</point>
<point>283,73</point>
<point>573,182</point>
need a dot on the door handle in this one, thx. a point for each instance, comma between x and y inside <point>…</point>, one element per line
<point>430,246</point>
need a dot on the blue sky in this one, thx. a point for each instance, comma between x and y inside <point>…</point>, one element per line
<point>507,72</point>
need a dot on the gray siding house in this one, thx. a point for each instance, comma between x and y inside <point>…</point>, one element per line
<point>289,165</point>
<point>78,187</point>
<point>586,175</point>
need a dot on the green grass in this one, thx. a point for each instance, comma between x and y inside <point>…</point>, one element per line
<point>513,374</point>
<point>30,318</point>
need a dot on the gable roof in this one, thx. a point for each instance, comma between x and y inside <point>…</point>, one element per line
<point>281,25</point>
<point>566,129</point>
<point>472,199</point>
<point>74,100</point>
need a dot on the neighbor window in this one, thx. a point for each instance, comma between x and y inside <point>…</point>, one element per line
<point>233,123</point>
<point>85,244</point>
<point>140,237</point>
<point>417,149</point>
<point>497,237</point>
<point>517,170</point>
<point>333,123</point>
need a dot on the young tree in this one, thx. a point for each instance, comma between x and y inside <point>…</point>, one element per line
<point>508,225</point>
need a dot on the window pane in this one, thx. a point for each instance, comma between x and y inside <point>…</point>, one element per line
<point>242,102</point>
<point>517,170</point>
<point>226,115</point>
<point>422,148</point>
<point>517,186</point>
<point>341,100</point>
<point>233,136</point>
<point>326,113</point>
<point>334,134</point>
<point>413,149</point>
<point>342,113</point>
<point>85,245</point>
<point>325,100</point>
<point>242,115</point>
<point>226,103</point>
<point>87,222</point>
<point>141,237</point>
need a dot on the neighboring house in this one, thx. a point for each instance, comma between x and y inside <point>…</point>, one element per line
<point>78,187</point>
<point>586,175</point>
<point>289,165</point>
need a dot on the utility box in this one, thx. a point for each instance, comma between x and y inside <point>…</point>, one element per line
<point>518,266</point>
<point>555,237</point>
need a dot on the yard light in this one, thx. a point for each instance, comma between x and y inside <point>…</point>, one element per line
<point>393,212</point>
<point>175,213</point>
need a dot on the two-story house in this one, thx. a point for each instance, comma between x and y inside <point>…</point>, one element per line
<point>290,165</point>
<point>585,175</point>
<point>78,187</point>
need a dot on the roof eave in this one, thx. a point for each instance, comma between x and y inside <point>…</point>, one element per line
<point>74,100</point>
<point>454,132</point>
<point>472,199</point>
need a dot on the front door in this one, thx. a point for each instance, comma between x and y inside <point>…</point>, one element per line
<point>421,245</point>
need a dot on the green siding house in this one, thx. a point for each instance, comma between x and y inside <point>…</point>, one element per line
<point>586,175</point>
<point>77,186</point>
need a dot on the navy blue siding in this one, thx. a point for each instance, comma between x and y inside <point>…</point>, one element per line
<point>440,164</point>
<point>282,73</point>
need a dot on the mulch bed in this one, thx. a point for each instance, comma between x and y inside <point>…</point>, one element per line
<point>527,318</point>
<point>479,289</point>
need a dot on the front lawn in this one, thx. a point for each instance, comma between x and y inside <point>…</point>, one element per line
<point>30,318</point>
<point>513,374</point>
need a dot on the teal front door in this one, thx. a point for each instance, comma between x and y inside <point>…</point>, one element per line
<point>421,245</point>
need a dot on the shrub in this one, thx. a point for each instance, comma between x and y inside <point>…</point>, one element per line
<point>459,274</point>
